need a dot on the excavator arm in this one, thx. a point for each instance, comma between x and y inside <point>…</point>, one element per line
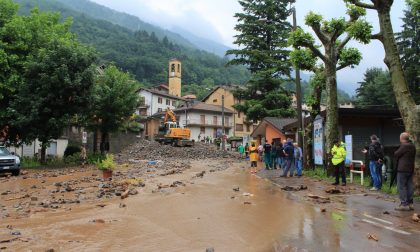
<point>170,114</point>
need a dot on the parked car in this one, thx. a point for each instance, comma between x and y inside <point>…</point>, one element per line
<point>9,162</point>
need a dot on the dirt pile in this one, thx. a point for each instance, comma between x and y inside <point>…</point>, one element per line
<point>152,151</point>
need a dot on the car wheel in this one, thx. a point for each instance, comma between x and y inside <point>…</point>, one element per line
<point>16,172</point>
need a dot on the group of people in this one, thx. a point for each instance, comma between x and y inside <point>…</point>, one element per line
<point>206,139</point>
<point>405,157</point>
<point>285,155</point>
<point>288,156</point>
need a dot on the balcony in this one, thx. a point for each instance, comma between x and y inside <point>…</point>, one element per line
<point>207,123</point>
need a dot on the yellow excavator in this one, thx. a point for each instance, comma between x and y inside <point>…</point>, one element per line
<point>171,133</point>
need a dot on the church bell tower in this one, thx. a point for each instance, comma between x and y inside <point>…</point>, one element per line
<point>175,77</point>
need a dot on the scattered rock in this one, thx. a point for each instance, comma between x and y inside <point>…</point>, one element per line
<point>415,217</point>
<point>372,237</point>
<point>323,210</point>
<point>49,250</point>
<point>236,189</point>
<point>209,249</point>
<point>294,188</point>
<point>101,205</point>
<point>122,205</point>
<point>333,190</point>
<point>133,192</point>
<point>125,194</point>
<point>16,233</point>
<point>247,194</point>
<point>200,174</point>
<point>247,203</point>
<point>34,198</point>
<point>98,221</point>
<point>385,212</point>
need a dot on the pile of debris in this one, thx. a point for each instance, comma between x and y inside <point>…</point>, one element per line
<point>151,150</point>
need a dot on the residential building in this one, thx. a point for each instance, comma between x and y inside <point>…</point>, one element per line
<point>155,101</point>
<point>272,129</point>
<point>242,127</point>
<point>205,120</point>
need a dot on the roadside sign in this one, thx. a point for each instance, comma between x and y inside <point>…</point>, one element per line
<point>349,148</point>
<point>318,140</point>
<point>84,137</point>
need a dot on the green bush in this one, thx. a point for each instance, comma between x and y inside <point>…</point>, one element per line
<point>72,159</point>
<point>71,149</point>
<point>30,162</point>
<point>93,158</point>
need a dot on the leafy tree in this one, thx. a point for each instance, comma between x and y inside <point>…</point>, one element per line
<point>262,37</point>
<point>410,112</point>
<point>408,41</point>
<point>58,81</point>
<point>375,90</point>
<point>46,74</point>
<point>336,55</point>
<point>114,100</point>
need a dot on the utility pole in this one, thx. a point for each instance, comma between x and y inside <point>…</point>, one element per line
<point>223,123</point>
<point>298,94</point>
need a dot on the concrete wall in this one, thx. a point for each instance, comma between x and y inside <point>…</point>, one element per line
<point>272,133</point>
<point>57,148</point>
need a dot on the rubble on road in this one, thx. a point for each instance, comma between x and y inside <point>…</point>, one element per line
<point>372,237</point>
<point>151,150</point>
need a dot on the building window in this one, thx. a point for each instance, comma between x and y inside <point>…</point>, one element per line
<point>239,114</point>
<point>226,121</point>
<point>202,130</point>
<point>239,127</point>
<point>215,101</point>
<point>168,102</point>
<point>202,119</point>
<point>159,109</point>
<point>248,128</point>
<point>173,103</point>
<point>214,120</point>
<point>160,100</point>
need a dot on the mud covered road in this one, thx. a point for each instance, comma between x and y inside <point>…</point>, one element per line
<point>202,204</point>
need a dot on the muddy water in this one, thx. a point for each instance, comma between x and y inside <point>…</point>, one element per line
<point>206,213</point>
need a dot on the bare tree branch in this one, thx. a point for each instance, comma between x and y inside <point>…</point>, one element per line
<point>363,5</point>
<point>316,51</point>
<point>342,66</point>
<point>343,43</point>
<point>377,36</point>
<point>320,34</point>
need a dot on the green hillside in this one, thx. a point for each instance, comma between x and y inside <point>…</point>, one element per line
<point>143,53</point>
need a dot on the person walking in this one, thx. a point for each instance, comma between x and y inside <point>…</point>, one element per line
<point>338,157</point>
<point>267,155</point>
<point>289,155</point>
<point>273,156</point>
<point>280,155</point>
<point>241,150</point>
<point>405,156</point>
<point>253,157</point>
<point>376,155</point>
<point>298,159</point>
<point>83,155</point>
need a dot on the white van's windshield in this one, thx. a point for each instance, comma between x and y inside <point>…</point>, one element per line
<point>4,151</point>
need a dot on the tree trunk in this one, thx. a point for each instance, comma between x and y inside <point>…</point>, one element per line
<point>410,112</point>
<point>331,124</point>
<point>104,142</point>
<point>308,146</point>
<point>44,146</point>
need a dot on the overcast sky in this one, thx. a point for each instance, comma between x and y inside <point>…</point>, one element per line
<point>214,20</point>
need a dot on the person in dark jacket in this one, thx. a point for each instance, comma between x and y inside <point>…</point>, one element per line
<point>280,154</point>
<point>273,155</point>
<point>405,156</point>
<point>376,155</point>
<point>289,157</point>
